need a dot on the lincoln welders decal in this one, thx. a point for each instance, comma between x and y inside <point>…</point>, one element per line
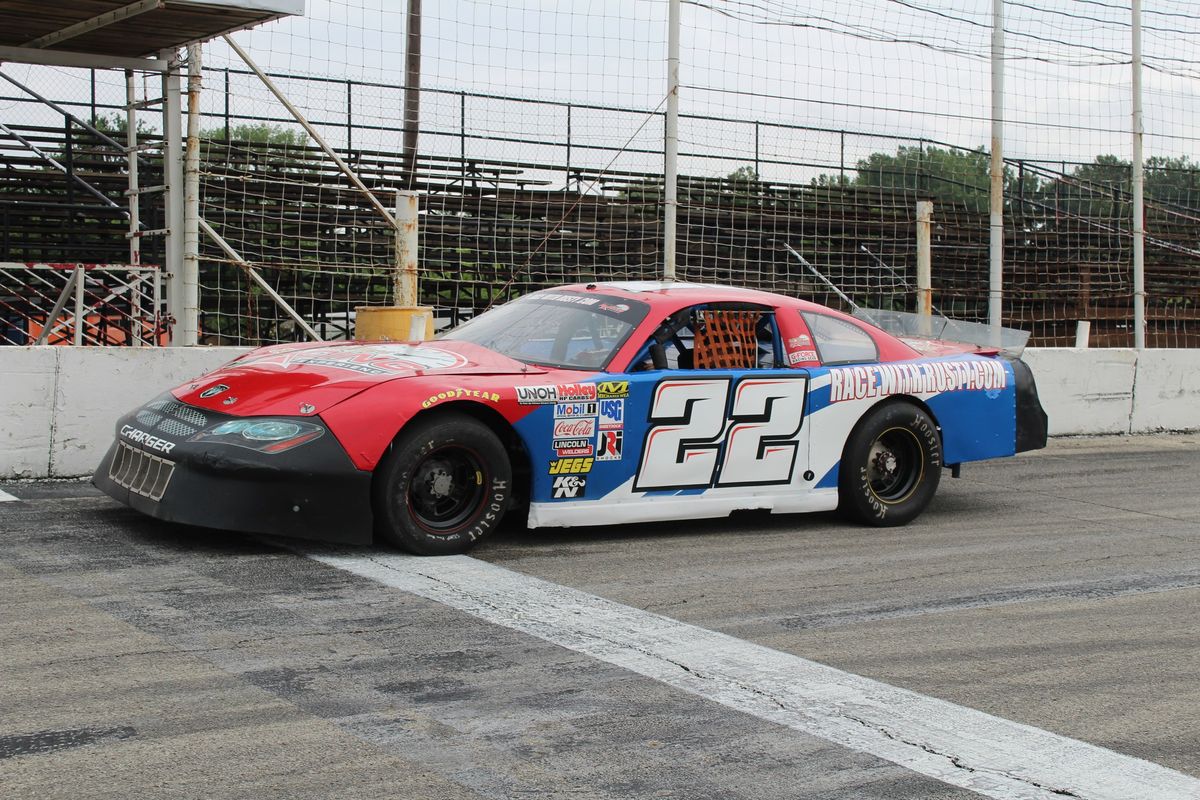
<point>931,377</point>
<point>683,448</point>
<point>367,359</point>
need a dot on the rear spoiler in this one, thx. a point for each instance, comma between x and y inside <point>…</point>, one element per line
<point>905,325</point>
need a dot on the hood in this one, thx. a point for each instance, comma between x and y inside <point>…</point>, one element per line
<point>306,379</point>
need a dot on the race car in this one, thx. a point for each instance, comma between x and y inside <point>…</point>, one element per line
<point>589,404</point>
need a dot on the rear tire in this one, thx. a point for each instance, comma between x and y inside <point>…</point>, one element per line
<point>891,466</point>
<point>443,487</point>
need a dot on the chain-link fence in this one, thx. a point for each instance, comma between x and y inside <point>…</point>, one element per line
<point>540,159</point>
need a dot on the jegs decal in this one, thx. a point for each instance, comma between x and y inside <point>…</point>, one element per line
<point>699,437</point>
<point>570,466</point>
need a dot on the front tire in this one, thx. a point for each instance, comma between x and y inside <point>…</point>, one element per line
<point>443,487</point>
<point>890,466</point>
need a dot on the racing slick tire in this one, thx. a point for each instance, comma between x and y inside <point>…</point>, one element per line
<point>891,466</point>
<point>444,485</point>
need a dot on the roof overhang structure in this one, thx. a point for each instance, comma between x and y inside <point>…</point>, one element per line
<point>123,34</point>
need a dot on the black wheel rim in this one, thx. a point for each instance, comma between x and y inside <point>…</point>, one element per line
<point>894,465</point>
<point>446,490</point>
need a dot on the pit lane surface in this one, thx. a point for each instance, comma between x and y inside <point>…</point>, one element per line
<point>1058,590</point>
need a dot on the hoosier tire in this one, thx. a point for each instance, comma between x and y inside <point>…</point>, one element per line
<point>443,486</point>
<point>890,466</point>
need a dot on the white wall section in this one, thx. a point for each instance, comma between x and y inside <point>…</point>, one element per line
<point>60,403</point>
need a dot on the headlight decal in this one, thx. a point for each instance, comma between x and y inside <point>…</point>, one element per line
<point>264,434</point>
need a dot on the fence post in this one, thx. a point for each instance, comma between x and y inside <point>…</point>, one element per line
<point>1137,179</point>
<point>172,111</point>
<point>189,312</point>
<point>924,265</point>
<point>404,321</point>
<point>671,143</point>
<point>79,321</point>
<point>996,195</point>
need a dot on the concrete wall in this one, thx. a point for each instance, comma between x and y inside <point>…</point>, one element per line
<point>60,403</point>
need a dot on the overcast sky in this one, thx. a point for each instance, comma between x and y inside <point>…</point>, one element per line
<point>875,68</point>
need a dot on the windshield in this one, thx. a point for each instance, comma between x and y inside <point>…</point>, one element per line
<point>574,330</point>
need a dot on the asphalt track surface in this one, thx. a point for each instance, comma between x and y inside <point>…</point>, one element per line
<point>1058,590</point>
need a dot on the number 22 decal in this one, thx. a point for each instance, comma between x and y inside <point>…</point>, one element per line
<point>683,448</point>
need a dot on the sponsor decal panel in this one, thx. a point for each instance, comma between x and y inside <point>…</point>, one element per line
<point>573,447</point>
<point>568,487</point>
<point>880,380</point>
<point>568,410</point>
<point>612,414</point>
<point>365,359</point>
<point>571,466</point>
<point>799,342</point>
<point>800,356</point>
<point>555,393</point>
<point>573,299</point>
<point>582,427</point>
<point>459,393</point>
<point>609,445</point>
<point>147,440</point>
<point>612,389</point>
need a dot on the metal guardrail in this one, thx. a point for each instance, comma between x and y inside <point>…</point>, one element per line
<point>81,304</point>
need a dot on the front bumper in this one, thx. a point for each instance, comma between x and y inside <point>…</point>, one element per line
<point>1032,423</point>
<point>310,492</point>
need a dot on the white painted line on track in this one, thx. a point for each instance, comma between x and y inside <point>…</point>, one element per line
<point>957,745</point>
<point>5,497</point>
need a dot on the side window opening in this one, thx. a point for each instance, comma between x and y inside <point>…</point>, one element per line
<point>714,336</point>
<point>838,341</point>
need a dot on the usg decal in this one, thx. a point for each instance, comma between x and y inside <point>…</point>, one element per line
<point>567,487</point>
<point>612,414</point>
<point>880,380</point>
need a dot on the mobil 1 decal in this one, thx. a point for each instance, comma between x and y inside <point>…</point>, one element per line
<point>720,432</point>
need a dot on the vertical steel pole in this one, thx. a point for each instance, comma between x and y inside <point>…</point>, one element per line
<point>671,143</point>
<point>1138,187</point>
<point>190,278</point>
<point>131,169</point>
<point>407,242</point>
<point>412,92</point>
<point>996,215</point>
<point>79,313</point>
<point>172,156</point>
<point>924,265</point>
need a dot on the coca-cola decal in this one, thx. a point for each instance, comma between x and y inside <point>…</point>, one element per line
<point>581,428</point>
